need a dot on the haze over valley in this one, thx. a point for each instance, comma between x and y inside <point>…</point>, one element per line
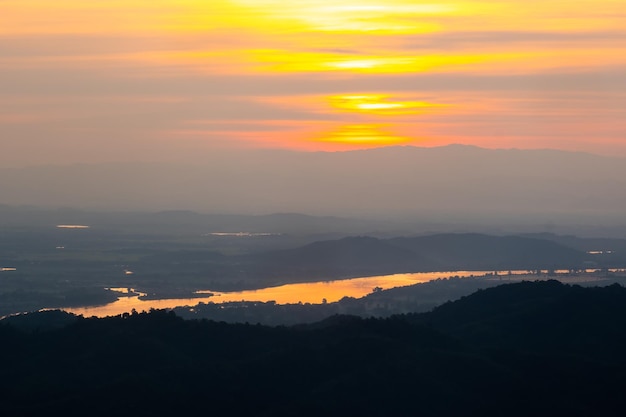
<point>68,258</point>
<point>438,185</point>
<point>313,208</point>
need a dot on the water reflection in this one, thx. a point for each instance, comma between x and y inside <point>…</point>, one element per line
<point>241,234</point>
<point>331,291</point>
<point>316,292</point>
<point>72,226</point>
<point>313,293</point>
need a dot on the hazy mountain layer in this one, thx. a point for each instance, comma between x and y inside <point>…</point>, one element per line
<point>355,256</point>
<point>450,183</point>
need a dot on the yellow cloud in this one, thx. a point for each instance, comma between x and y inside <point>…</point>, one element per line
<point>345,16</point>
<point>294,61</point>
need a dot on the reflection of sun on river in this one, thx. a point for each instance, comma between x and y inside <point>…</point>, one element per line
<point>332,291</point>
<point>314,293</point>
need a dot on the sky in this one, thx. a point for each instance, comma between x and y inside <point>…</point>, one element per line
<point>91,81</point>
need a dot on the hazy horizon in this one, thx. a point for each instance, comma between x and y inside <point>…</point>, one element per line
<point>351,109</point>
<point>546,189</point>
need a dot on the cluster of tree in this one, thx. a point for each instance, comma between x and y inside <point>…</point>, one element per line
<point>541,348</point>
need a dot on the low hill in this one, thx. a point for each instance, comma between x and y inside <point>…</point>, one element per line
<point>541,349</point>
<point>547,317</point>
<point>350,256</point>
<point>360,256</point>
<point>605,251</point>
<point>478,251</point>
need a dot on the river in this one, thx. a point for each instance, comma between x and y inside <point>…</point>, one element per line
<point>314,293</point>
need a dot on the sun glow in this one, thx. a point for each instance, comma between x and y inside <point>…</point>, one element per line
<point>379,104</point>
<point>349,16</point>
<point>314,74</point>
<point>284,61</point>
<point>365,134</point>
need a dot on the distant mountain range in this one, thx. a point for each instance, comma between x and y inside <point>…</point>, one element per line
<point>189,222</point>
<point>452,183</point>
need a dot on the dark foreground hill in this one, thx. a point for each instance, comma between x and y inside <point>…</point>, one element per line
<point>541,349</point>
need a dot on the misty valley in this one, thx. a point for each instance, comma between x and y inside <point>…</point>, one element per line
<point>72,260</point>
<point>270,208</point>
<point>171,312</point>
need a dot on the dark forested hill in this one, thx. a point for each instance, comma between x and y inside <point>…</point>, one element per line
<point>541,349</point>
<point>542,316</point>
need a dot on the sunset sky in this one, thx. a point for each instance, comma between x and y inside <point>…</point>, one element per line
<point>156,80</point>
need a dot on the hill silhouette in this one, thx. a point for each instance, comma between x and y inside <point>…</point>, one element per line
<point>542,349</point>
<point>538,316</point>
<point>478,251</point>
<point>349,256</point>
<point>360,256</point>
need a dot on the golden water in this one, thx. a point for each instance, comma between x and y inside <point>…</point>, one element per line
<point>314,293</point>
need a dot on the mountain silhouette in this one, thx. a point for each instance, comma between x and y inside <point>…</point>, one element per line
<point>360,256</point>
<point>541,348</point>
<point>411,183</point>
